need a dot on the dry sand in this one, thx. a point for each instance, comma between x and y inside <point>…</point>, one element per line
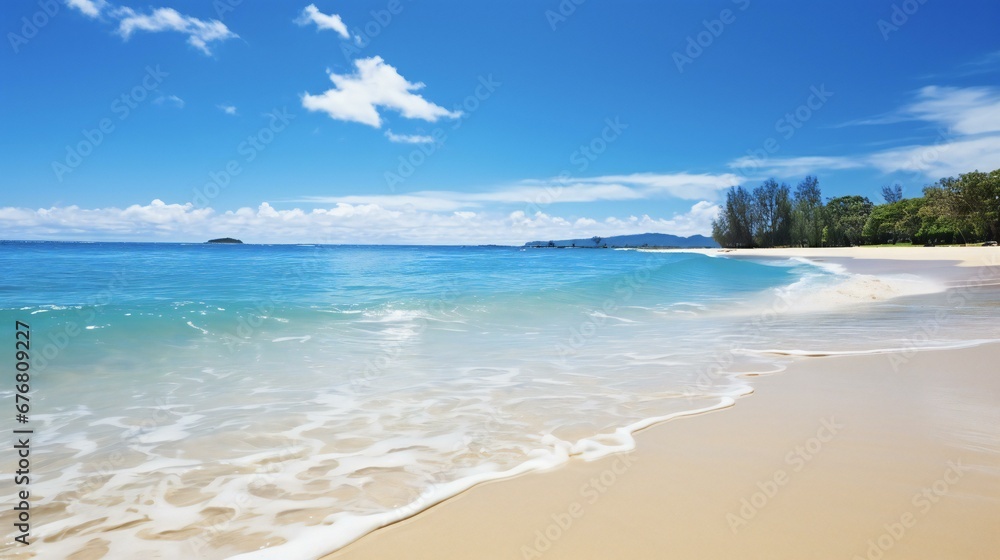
<point>838,457</point>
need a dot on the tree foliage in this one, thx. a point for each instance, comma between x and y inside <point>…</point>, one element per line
<point>892,193</point>
<point>846,217</point>
<point>807,214</point>
<point>952,210</point>
<point>735,225</point>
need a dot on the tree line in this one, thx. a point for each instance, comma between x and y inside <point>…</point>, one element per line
<point>965,209</point>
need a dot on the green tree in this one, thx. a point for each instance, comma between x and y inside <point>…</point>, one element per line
<point>846,217</point>
<point>940,220</point>
<point>807,213</point>
<point>971,202</point>
<point>892,193</point>
<point>773,208</point>
<point>894,222</point>
<point>735,224</point>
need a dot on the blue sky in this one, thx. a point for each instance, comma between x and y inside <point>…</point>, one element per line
<point>473,122</point>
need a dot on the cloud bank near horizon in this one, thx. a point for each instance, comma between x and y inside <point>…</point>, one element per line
<point>341,223</point>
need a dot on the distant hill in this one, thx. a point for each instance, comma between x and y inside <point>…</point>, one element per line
<point>224,240</point>
<point>637,240</point>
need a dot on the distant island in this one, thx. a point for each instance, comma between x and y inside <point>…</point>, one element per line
<point>663,240</point>
<point>224,240</point>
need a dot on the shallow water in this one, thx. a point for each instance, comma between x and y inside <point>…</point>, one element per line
<point>207,401</point>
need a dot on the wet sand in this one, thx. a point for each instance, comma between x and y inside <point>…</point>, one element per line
<point>873,456</point>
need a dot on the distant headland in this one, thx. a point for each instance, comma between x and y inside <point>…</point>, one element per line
<point>224,240</point>
<point>661,240</point>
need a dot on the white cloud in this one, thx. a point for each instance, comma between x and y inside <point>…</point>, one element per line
<point>972,110</point>
<point>356,97</point>
<point>686,186</point>
<point>409,138</point>
<point>969,124</point>
<point>227,109</point>
<point>340,223</point>
<point>311,14</point>
<point>170,100</point>
<point>200,33</point>
<point>528,196</point>
<point>535,194</point>
<point>540,226</point>
<point>945,159</point>
<point>90,8</point>
<point>752,167</point>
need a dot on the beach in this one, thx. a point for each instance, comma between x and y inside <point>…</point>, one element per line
<point>887,454</point>
<point>379,402</point>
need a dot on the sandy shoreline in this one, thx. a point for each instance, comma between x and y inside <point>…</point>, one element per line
<point>952,265</point>
<point>871,456</point>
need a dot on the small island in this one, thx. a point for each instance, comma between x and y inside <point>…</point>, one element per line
<point>224,240</point>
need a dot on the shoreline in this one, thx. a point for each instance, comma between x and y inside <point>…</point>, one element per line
<point>816,463</point>
<point>489,510</point>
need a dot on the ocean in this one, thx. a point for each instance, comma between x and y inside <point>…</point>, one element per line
<point>256,401</point>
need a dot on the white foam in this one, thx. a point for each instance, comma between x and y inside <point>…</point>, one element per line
<point>298,338</point>
<point>956,345</point>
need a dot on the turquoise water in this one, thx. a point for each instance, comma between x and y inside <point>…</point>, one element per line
<point>211,401</point>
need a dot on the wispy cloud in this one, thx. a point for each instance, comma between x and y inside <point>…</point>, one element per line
<point>227,109</point>
<point>794,166</point>
<point>944,159</point>
<point>408,138</point>
<point>199,32</point>
<point>968,121</point>
<point>536,193</point>
<point>687,186</point>
<point>311,14</point>
<point>968,110</point>
<point>171,100</point>
<point>971,110</point>
<point>341,223</point>
<point>90,8</point>
<point>357,97</point>
<point>438,201</point>
<point>890,118</point>
<point>988,63</point>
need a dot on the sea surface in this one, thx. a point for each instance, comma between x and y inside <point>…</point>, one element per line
<point>255,401</point>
